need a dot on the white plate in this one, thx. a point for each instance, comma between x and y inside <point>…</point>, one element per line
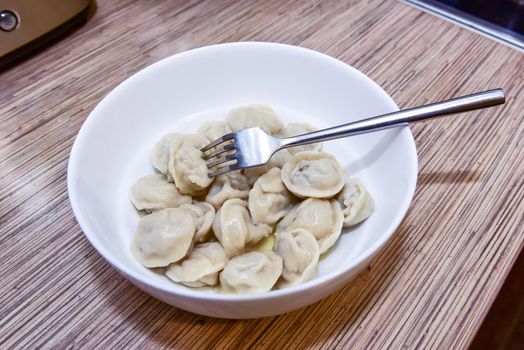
<point>181,92</point>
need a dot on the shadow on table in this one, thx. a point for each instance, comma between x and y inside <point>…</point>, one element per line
<point>145,319</point>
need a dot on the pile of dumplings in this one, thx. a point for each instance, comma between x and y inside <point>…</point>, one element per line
<point>246,231</point>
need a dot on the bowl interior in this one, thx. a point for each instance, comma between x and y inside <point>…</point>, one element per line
<point>179,93</point>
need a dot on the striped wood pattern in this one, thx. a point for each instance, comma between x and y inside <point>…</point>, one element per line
<point>430,287</point>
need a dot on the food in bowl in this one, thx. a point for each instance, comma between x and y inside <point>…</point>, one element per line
<point>246,231</point>
<point>114,146</point>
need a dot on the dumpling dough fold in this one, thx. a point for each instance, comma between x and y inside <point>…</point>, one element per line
<point>294,129</point>
<point>269,200</point>
<point>163,237</point>
<point>313,175</point>
<point>228,186</point>
<point>251,116</point>
<point>252,272</point>
<point>153,192</point>
<point>321,217</point>
<point>299,251</point>
<point>202,266</point>
<point>234,228</point>
<point>356,202</point>
<point>214,129</point>
<point>203,213</point>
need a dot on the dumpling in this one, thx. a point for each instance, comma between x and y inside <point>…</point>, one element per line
<point>163,237</point>
<point>252,272</point>
<point>227,186</point>
<point>161,153</point>
<point>277,161</point>
<point>356,202</point>
<point>322,217</point>
<point>234,229</point>
<point>203,213</point>
<point>214,129</point>
<point>269,200</point>
<point>313,174</point>
<point>294,129</point>
<point>299,251</point>
<point>251,116</point>
<point>186,165</point>
<point>202,266</point>
<point>153,192</point>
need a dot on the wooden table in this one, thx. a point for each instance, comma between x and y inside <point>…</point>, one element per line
<point>430,287</point>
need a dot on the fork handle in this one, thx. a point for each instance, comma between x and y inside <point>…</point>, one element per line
<point>401,118</point>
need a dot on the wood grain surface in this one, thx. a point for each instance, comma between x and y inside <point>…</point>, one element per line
<point>429,288</point>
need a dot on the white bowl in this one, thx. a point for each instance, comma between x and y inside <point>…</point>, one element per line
<point>179,93</point>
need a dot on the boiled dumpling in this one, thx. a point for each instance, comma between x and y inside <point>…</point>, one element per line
<point>269,200</point>
<point>271,238</point>
<point>322,217</point>
<point>227,186</point>
<point>294,129</point>
<point>203,213</point>
<point>234,229</point>
<point>357,204</point>
<point>252,272</point>
<point>313,174</point>
<point>299,251</point>
<point>214,129</point>
<point>186,165</point>
<point>277,161</point>
<point>163,237</point>
<point>162,151</point>
<point>202,266</point>
<point>153,192</point>
<point>251,116</point>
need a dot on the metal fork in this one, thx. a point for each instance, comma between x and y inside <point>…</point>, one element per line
<point>254,147</point>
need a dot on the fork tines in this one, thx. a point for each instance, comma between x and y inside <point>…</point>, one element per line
<point>220,152</point>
